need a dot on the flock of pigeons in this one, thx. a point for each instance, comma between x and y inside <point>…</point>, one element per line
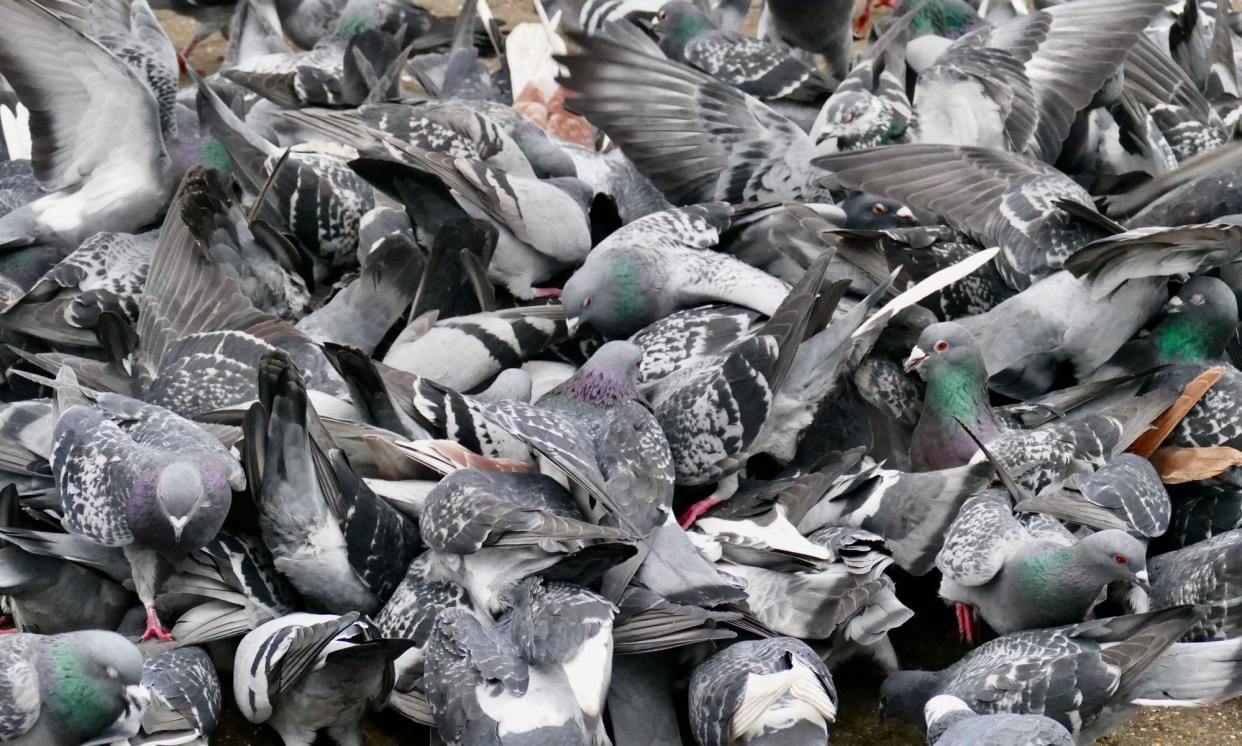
<point>613,388</point>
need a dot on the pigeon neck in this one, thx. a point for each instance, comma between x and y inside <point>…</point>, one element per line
<point>1182,339</point>
<point>1055,580</point>
<point>959,394</point>
<point>598,387</point>
<point>948,19</point>
<point>74,697</point>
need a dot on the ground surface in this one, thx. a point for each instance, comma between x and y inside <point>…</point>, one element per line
<point>925,641</point>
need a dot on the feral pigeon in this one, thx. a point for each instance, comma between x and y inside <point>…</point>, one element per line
<point>950,722</point>
<point>185,696</point>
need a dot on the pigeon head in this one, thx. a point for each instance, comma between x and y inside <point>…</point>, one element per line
<point>676,24</point>
<point>858,119</point>
<point>1200,321</point>
<point>904,694</point>
<point>946,348</point>
<point>1116,555</point>
<point>871,212</point>
<point>607,295</point>
<point>191,500</point>
<point>94,689</point>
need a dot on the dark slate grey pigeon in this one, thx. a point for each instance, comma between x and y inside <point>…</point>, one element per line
<point>1201,510</point>
<point>660,263</point>
<point>104,161</point>
<point>956,411</point>
<point>1203,574</point>
<point>137,476</point>
<point>1018,581</point>
<point>1083,676</point>
<point>341,545</point>
<point>1126,493</point>
<point>72,688</point>
<point>950,722</point>
<point>759,68</point>
<point>47,595</point>
<point>306,673</point>
<point>185,697</point>
<point>822,28</point>
<point>774,691</point>
<point>729,146</point>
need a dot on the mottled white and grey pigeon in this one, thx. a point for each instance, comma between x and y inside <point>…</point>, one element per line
<point>136,476</point>
<point>774,691</point>
<point>1018,580</point>
<point>1083,676</point>
<point>306,673</point>
<point>185,697</point>
<point>1126,493</point>
<point>1203,574</point>
<point>951,722</point>
<point>660,263</point>
<point>72,688</point>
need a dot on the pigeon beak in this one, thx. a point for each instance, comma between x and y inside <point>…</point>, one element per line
<point>1142,580</point>
<point>917,356</point>
<point>571,325</point>
<point>1175,305</point>
<point>178,526</point>
<point>905,215</point>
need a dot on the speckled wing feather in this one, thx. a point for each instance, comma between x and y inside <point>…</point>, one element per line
<point>1182,113</point>
<point>1217,418</point>
<point>105,273</point>
<point>999,198</point>
<point>19,688</point>
<point>980,542</point>
<point>697,139</point>
<point>95,465</point>
<point>688,337</point>
<point>184,683</point>
<point>756,67</point>
<point>1130,487</point>
<point>1206,574</point>
<point>1154,252</point>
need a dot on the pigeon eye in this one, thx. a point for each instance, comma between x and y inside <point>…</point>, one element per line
<point>1120,559</point>
<point>586,302</point>
<point>879,209</point>
<point>1198,299</point>
<point>851,116</point>
<point>638,365</point>
<point>111,672</point>
<point>663,16</point>
<point>941,346</point>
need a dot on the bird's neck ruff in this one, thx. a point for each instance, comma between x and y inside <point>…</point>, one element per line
<point>959,394</point>
<point>597,387</point>
<point>77,701</point>
<point>1180,339</point>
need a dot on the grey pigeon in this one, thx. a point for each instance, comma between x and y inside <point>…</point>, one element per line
<point>1202,510</point>
<point>1083,676</point>
<point>1018,581</point>
<point>950,722</point>
<point>137,476</point>
<point>774,691</point>
<point>660,263</point>
<point>821,28</point>
<point>185,697</point>
<point>956,411</point>
<point>1126,493</point>
<point>767,71</point>
<point>489,530</point>
<point>411,611</point>
<point>305,673</point>
<point>118,172</point>
<point>72,688</point>
<point>1201,574</point>
<point>47,595</point>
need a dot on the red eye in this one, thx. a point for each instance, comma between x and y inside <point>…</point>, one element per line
<point>941,346</point>
<point>1120,559</point>
<point>639,365</point>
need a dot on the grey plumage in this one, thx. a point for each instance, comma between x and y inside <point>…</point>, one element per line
<point>950,722</point>
<point>1201,574</point>
<point>185,696</point>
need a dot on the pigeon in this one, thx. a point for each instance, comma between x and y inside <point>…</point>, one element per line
<point>766,691</point>
<point>185,695</point>
<point>49,595</point>
<point>660,263</point>
<point>956,411</point>
<point>305,673</point>
<point>1019,581</point>
<point>824,29</point>
<point>118,173</point>
<point>137,476</point>
<point>761,69</point>
<point>1201,510</point>
<point>71,688</point>
<point>1083,676</point>
<point>1200,574</point>
<point>1126,493</point>
<point>951,722</point>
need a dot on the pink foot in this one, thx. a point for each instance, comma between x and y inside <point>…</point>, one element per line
<point>965,622</point>
<point>547,292</point>
<point>155,629</point>
<point>694,512</point>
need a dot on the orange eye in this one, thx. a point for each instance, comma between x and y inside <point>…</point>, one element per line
<point>941,346</point>
<point>879,209</point>
<point>1120,559</point>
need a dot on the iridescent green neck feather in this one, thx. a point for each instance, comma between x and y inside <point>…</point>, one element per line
<point>1182,339</point>
<point>959,393</point>
<point>76,698</point>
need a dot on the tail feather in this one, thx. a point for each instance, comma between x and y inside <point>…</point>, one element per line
<point>1192,673</point>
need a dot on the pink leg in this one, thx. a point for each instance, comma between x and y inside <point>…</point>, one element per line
<point>155,629</point>
<point>547,292</point>
<point>965,622</point>
<point>694,512</point>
